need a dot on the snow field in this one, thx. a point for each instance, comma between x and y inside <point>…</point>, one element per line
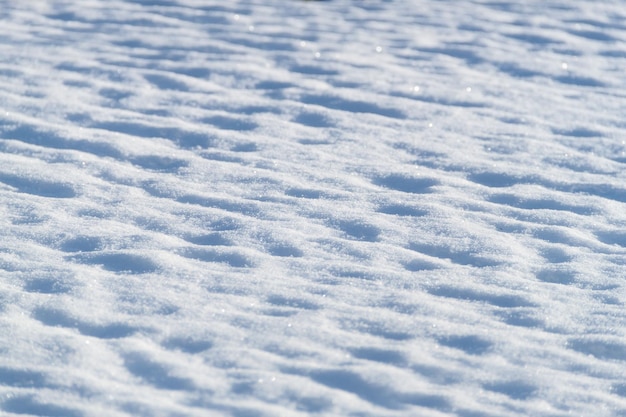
<point>297,208</point>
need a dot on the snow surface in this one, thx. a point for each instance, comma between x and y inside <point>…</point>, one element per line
<point>293,208</point>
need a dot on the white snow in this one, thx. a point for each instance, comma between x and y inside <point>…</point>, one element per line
<point>295,208</point>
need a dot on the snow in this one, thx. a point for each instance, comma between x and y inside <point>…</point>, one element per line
<point>294,208</point>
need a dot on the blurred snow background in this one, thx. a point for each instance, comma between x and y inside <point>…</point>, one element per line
<point>289,208</point>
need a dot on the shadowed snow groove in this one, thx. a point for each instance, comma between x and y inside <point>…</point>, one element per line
<point>376,394</point>
<point>38,187</point>
<point>57,317</point>
<point>406,184</point>
<point>472,345</point>
<point>353,106</point>
<point>154,373</point>
<point>27,405</point>
<point>118,262</point>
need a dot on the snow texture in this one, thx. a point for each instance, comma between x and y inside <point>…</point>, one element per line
<point>294,208</point>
